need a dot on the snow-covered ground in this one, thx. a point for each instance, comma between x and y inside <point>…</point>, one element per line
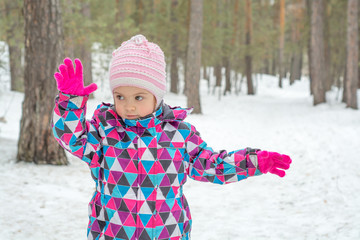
<point>318,199</point>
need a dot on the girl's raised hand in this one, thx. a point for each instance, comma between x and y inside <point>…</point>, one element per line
<point>273,162</point>
<point>71,81</point>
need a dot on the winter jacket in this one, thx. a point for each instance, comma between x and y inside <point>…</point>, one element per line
<point>140,167</point>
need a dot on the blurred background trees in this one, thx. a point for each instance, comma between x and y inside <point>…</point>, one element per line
<point>12,32</point>
<point>240,40</point>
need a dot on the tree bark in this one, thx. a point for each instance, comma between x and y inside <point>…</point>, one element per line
<point>248,57</point>
<point>43,52</point>
<point>352,54</point>
<point>317,52</point>
<point>193,62</point>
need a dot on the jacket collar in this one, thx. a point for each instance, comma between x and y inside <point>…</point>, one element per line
<point>164,113</point>
<point>145,122</point>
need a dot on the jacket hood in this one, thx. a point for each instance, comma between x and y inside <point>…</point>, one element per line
<point>174,113</point>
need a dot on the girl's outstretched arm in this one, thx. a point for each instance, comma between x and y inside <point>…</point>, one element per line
<point>225,167</point>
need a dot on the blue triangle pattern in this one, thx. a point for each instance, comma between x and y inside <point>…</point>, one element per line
<point>110,161</point>
<point>147,191</point>
<point>59,124</point>
<point>129,230</point>
<point>122,189</point>
<point>147,165</point>
<point>145,218</point>
<point>71,116</point>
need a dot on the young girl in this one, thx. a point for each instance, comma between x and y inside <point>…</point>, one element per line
<point>140,150</point>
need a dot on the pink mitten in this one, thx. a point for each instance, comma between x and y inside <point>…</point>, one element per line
<point>272,162</point>
<point>70,81</point>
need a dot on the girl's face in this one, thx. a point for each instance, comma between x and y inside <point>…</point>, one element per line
<point>133,102</point>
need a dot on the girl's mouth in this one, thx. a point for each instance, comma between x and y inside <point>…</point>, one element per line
<point>131,116</point>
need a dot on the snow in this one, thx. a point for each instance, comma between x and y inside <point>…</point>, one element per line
<point>317,199</point>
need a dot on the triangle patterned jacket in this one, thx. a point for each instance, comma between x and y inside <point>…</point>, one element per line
<point>140,167</point>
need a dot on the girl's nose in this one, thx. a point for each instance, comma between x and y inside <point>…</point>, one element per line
<point>130,107</point>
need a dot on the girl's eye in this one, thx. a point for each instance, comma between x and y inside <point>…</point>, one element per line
<point>119,97</point>
<point>139,98</point>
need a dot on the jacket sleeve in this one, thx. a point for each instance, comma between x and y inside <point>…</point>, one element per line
<point>73,132</point>
<point>218,167</point>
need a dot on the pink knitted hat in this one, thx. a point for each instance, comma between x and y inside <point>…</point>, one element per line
<point>139,63</point>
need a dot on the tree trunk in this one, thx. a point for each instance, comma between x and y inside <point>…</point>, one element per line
<point>43,53</point>
<point>174,72</point>
<point>227,75</point>
<point>328,80</point>
<point>266,68</point>
<point>218,77</point>
<point>317,52</point>
<point>281,41</point>
<point>358,77</point>
<point>194,55</point>
<point>296,65</point>
<point>186,82</point>
<point>248,58</point>
<point>352,54</point>
<point>297,27</point>
<point>308,11</point>
<point>344,98</point>
<point>273,63</point>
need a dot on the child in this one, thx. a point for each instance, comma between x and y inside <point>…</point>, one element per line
<point>140,150</point>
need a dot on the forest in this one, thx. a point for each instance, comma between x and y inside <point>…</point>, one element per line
<point>273,75</point>
<point>230,41</point>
